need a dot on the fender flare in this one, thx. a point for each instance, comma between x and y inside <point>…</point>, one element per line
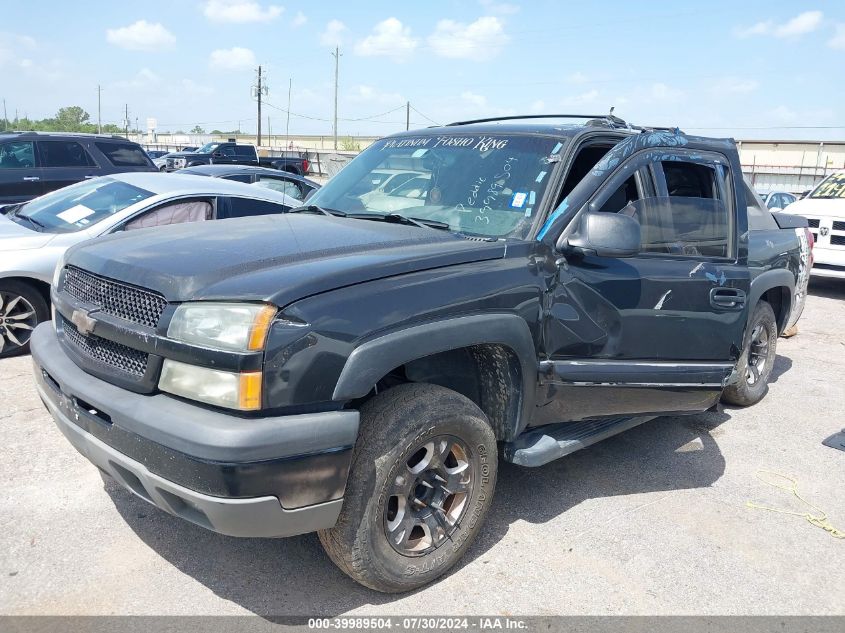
<point>779,278</point>
<point>377,356</point>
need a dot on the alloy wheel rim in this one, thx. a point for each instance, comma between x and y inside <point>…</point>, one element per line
<point>429,495</point>
<point>17,320</point>
<point>758,354</point>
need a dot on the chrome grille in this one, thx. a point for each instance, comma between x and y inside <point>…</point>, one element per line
<point>136,305</point>
<point>838,225</point>
<point>813,222</point>
<point>837,240</point>
<point>106,352</point>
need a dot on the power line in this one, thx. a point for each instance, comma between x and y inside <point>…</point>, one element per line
<point>424,116</point>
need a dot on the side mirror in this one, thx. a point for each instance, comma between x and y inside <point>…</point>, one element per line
<point>605,235</point>
<point>217,154</point>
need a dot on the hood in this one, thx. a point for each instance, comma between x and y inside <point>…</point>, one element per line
<point>278,258</point>
<point>19,237</point>
<point>818,207</point>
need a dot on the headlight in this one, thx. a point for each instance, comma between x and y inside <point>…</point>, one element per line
<point>240,327</point>
<point>57,273</point>
<point>222,388</point>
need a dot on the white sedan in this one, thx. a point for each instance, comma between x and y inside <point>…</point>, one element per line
<point>35,234</point>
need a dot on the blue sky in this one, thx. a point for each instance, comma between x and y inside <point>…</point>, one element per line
<point>745,69</point>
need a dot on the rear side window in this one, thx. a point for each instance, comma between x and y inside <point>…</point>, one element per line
<point>64,154</point>
<point>245,207</point>
<point>239,178</point>
<point>17,155</point>
<point>124,154</point>
<point>245,151</point>
<point>279,184</point>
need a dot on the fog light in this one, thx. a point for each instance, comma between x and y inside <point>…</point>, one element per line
<point>228,389</point>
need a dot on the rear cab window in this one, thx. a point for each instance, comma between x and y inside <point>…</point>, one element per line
<point>124,154</point>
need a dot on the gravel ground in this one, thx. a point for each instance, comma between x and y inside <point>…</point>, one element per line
<point>650,522</point>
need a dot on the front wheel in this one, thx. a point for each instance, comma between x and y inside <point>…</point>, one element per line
<point>757,358</point>
<point>421,482</point>
<point>22,307</point>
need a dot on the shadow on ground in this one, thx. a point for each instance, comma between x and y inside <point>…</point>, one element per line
<point>293,576</point>
<point>826,287</point>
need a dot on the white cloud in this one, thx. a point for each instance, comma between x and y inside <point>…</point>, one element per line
<point>589,97</point>
<point>192,88</point>
<point>11,47</point>
<point>240,11</point>
<point>141,36</point>
<point>477,100</point>
<point>538,107</point>
<point>478,41</point>
<point>576,78</point>
<point>666,94</point>
<point>367,94</point>
<point>732,85</point>
<point>389,38</point>
<point>236,58</point>
<point>801,24</point>
<point>838,39</point>
<point>299,19</point>
<point>143,79</point>
<point>502,8</point>
<point>333,34</point>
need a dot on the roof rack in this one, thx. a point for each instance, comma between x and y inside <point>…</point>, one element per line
<point>603,120</point>
<point>535,116</point>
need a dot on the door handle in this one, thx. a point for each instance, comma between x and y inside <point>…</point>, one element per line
<point>89,177</point>
<point>31,178</point>
<point>727,298</point>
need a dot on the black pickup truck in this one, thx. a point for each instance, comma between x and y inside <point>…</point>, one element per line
<point>216,153</point>
<point>359,367</point>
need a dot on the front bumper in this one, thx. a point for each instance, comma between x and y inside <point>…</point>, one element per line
<point>250,477</point>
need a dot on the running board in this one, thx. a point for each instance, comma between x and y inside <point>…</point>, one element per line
<point>539,447</point>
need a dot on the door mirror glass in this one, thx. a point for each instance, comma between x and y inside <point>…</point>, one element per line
<point>604,235</point>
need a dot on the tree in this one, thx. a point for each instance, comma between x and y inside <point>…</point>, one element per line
<point>197,130</point>
<point>71,119</point>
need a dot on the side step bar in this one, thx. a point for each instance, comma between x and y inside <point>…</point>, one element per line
<point>539,447</point>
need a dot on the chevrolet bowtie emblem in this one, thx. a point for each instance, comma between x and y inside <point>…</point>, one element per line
<point>83,321</point>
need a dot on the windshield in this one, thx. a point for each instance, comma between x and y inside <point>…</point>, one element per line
<point>477,184</point>
<point>79,206</point>
<point>831,187</point>
<point>207,148</point>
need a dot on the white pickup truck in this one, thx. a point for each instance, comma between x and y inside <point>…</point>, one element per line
<point>824,208</point>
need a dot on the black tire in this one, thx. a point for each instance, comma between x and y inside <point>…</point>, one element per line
<point>755,364</point>
<point>22,307</point>
<point>163,168</point>
<point>396,426</point>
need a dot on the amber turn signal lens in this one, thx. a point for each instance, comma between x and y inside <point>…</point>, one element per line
<point>249,393</point>
<point>260,327</point>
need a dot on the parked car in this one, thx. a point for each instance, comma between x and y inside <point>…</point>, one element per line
<point>358,373</point>
<point>156,153</point>
<point>34,235</point>
<point>778,200</point>
<point>35,163</point>
<point>295,186</point>
<point>216,153</point>
<point>824,208</point>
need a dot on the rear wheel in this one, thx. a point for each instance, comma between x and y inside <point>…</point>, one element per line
<point>421,482</point>
<point>22,307</point>
<point>757,359</point>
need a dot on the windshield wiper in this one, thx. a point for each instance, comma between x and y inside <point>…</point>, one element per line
<point>313,208</point>
<point>398,218</point>
<point>33,221</point>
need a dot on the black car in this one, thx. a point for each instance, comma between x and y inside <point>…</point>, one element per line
<point>290,184</point>
<point>359,366</point>
<point>35,163</point>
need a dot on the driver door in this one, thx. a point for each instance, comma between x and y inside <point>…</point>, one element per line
<point>657,332</point>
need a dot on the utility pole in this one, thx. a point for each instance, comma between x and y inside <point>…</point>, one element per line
<point>126,121</point>
<point>99,119</point>
<point>259,90</point>
<point>407,115</point>
<point>5,119</point>
<point>287,125</point>
<point>337,55</point>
